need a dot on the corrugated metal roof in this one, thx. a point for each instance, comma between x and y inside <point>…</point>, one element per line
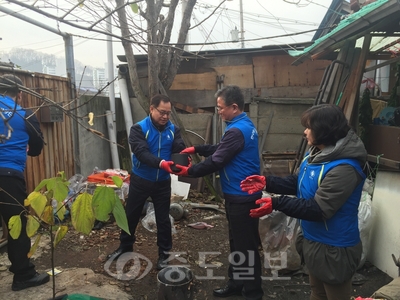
<point>380,16</point>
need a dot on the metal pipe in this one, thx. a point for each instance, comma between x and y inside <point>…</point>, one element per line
<point>110,70</point>
<point>126,106</point>
<point>113,140</point>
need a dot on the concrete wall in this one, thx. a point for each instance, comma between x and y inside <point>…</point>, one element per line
<point>94,151</point>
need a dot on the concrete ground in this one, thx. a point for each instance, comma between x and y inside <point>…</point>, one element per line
<point>70,281</point>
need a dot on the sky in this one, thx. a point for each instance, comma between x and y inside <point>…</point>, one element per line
<point>262,19</point>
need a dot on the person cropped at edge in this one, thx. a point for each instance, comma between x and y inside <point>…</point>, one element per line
<point>26,139</point>
<point>152,142</point>
<point>235,157</point>
<point>328,189</point>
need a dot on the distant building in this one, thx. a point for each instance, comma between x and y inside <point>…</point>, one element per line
<point>51,70</point>
<point>99,79</point>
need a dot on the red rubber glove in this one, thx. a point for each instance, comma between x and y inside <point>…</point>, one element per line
<point>189,150</point>
<point>265,209</point>
<point>183,170</point>
<point>253,184</point>
<point>166,165</point>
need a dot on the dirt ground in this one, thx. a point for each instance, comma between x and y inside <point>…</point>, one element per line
<point>77,250</point>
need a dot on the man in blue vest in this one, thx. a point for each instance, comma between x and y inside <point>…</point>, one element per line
<point>152,141</point>
<point>235,157</point>
<point>26,139</point>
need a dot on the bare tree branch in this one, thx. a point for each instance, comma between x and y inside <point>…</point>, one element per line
<point>133,75</point>
<point>210,15</point>
<point>177,53</point>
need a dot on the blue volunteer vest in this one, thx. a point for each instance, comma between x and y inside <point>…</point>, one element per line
<point>160,145</point>
<point>13,152</point>
<point>245,163</point>
<point>342,229</point>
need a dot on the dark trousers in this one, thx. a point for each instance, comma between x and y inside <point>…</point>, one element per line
<point>13,191</point>
<point>160,192</point>
<point>245,268</point>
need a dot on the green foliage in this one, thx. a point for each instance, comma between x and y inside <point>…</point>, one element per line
<point>103,202</point>
<point>365,116</point>
<point>135,8</point>
<point>119,215</point>
<point>32,225</point>
<point>35,245</point>
<point>84,211</point>
<point>37,201</point>
<point>82,215</point>
<point>61,232</point>
<point>15,226</point>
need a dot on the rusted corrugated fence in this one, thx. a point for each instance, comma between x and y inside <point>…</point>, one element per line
<point>57,154</point>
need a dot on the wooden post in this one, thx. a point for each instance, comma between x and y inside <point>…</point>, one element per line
<point>359,72</point>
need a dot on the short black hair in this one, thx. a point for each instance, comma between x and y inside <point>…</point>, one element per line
<point>231,94</point>
<point>327,122</point>
<point>9,85</point>
<point>155,100</point>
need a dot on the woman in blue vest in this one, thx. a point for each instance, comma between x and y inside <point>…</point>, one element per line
<point>328,189</point>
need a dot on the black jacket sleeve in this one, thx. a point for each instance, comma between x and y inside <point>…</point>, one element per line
<point>231,144</point>
<point>298,208</point>
<point>278,185</point>
<point>35,142</point>
<point>206,150</point>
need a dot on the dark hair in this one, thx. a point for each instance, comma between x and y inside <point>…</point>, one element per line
<point>9,85</point>
<point>155,100</point>
<point>231,94</point>
<point>327,122</point>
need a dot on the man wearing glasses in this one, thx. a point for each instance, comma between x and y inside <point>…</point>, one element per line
<point>152,142</point>
<point>235,156</point>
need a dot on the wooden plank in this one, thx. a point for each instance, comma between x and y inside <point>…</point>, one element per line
<point>353,100</point>
<point>314,71</point>
<point>204,81</point>
<point>241,75</point>
<point>385,63</point>
<point>263,71</point>
<point>343,76</point>
<point>289,92</point>
<point>189,109</point>
<point>336,73</point>
<point>278,71</point>
<point>384,161</point>
<point>349,84</point>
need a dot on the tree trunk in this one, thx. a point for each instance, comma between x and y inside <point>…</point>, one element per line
<point>176,57</point>
<point>134,78</point>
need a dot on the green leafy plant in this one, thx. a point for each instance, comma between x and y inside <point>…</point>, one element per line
<point>48,199</point>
